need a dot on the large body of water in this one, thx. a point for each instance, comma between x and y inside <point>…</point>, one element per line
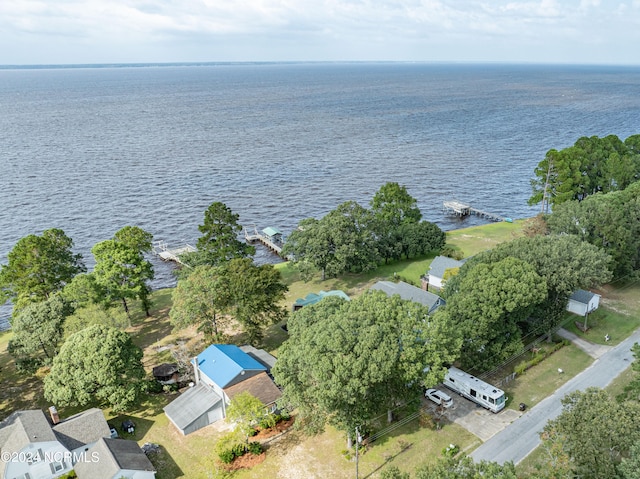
<point>91,150</point>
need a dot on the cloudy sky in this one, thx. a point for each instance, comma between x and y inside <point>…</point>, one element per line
<point>125,31</point>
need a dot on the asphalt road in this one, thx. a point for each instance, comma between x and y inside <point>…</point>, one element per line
<point>521,437</point>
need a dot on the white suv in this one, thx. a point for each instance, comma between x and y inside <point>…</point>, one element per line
<point>438,397</point>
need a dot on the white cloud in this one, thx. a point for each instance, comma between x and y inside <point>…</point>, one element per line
<point>171,30</point>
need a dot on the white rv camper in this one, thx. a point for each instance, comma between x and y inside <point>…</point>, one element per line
<point>472,388</point>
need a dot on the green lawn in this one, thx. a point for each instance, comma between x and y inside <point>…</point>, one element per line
<point>541,380</point>
<point>617,323</point>
<point>476,239</point>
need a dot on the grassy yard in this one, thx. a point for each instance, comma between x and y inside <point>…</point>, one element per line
<point>302,457</point>
<point>476,239</point>
<point>541,380</point>
<point>618,316</point>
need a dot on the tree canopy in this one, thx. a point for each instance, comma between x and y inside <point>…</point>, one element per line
<point>38,266</point>
<point>210,296</point>
<point>38,331</point>
<point>594,431</point>
<point>121,271</point>
<point>219,241</point>
<point>608,221</point>
<point>592,165</point>
<point>96,365</point>
<point>347,361</point>
<point>342,241</point>
<point>492,299</point>
<point>563,261</point>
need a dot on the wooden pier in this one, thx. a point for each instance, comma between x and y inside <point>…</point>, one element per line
<point>461,209</point>
<point>269,237</point>
<point>161,249</point>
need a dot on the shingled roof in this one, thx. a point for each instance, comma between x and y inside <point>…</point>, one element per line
<point>260,386</point>
<point>582,296</point>
<point>115,455</point>
<point>442,263</point>
<point>410,293</point>
<point>24,427</point>
<point>82,428</point>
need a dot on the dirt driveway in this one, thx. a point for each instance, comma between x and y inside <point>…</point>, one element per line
<point>474,418</point>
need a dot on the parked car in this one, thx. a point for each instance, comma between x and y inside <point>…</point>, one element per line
<point>438,397</point>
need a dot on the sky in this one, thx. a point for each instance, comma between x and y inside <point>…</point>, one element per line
<point>150,31</point>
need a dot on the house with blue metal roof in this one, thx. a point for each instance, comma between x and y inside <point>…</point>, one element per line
<point>221,371</point>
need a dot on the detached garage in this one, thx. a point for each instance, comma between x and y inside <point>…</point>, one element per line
<point>195,408</point>
<point>583,302</point>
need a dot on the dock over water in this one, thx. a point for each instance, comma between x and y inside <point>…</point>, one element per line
<point>269,237</point>
<point>462,209</point>
<point>161,249</point>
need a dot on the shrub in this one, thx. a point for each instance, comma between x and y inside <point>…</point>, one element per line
<point>252,432</point>
<point>268,421</point>
<point>522,367</point>
<point>238,449</point>
<point>227,456</point>
<point>285,416</point>
<point>451,450</point>
<point>153,386</point>
<point>255,448</point>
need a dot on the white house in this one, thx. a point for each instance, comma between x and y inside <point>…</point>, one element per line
<point>583,302</point>
<point>37,447</point>
<point>435,276</point>
<point>222,371</point>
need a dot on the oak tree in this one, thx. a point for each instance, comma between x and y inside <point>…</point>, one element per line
<point>595,432</point>
<point>347,361</point>
<point>98,365</point>
<point>492,299</point>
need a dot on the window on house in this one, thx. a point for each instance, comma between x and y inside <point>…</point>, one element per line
<point>34,456</point>
<point>57,466</point>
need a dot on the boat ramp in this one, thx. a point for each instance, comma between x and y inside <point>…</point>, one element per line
<point>161,249</point>
<point>457,208</point>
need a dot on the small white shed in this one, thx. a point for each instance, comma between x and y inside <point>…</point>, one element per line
<point>583,302</point>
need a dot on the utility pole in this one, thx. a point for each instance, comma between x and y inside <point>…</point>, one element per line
<point>357,441</point>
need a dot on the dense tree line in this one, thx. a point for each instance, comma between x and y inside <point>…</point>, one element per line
<point>592,165</point>
<point>609,221</point>
<point>518,286</point>
<point>352,238</point>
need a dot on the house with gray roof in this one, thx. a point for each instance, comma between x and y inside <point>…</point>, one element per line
<point>410,293</point>
<point>583,302</point>
<point>221,372</point>
<point>435,275</point>
<point>115,459</point>
<point>35,445</point>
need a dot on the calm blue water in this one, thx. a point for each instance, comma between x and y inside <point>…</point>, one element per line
<point>91,150</point>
